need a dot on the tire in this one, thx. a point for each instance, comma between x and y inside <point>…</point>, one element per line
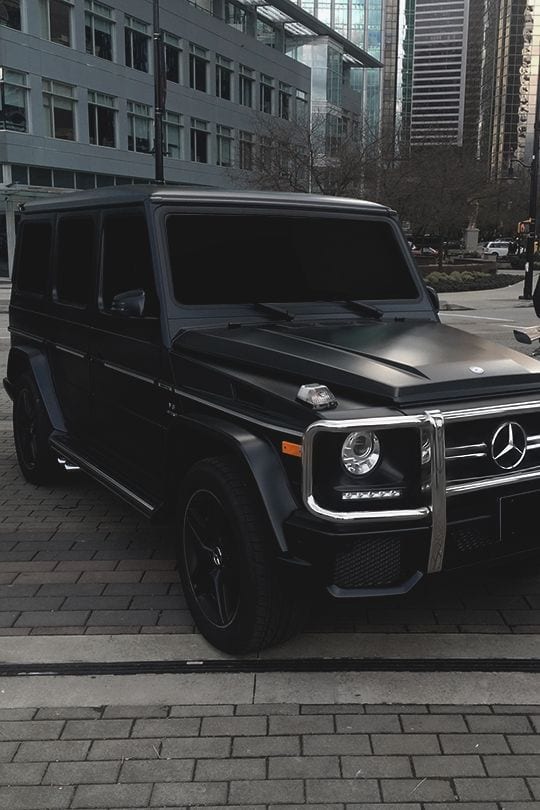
<point>238,601</point>
<point>494,253</point>
<point>31,429</point>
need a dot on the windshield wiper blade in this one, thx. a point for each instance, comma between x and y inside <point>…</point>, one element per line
<point>364,309</point>
<point>270,309</point>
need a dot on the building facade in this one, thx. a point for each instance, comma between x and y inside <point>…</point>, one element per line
<point>362,23</point>
<point>77,90</point>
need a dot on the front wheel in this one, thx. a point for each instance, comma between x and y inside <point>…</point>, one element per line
<point>227,568</point>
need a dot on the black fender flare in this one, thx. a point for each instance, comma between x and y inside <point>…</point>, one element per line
<point>262,461</point>
<point>35,361</point>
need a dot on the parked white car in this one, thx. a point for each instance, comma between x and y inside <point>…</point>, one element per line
<point>497,248</point>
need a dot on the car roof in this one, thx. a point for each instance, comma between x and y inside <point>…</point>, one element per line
<point>158,194</point>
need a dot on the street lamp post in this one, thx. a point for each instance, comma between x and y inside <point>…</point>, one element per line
<point>160,89</point>
<point>533,197</point>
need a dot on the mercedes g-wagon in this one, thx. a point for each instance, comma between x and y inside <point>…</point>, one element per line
<point>271,369</point>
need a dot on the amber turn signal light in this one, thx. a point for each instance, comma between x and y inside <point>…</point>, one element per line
<point>291,449</point>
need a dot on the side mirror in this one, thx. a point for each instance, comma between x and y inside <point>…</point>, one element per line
<point>129,303</point>
<point>434,298</point>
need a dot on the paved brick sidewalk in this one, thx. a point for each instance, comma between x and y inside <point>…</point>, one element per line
<point>256,756</point>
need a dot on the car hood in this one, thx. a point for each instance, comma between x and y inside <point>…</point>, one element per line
<point>398,362</point>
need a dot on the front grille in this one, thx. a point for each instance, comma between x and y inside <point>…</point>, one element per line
<point>468,446</point>
<point>370,562</point>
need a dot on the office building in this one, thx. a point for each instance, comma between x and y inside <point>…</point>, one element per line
<point>77,89</point>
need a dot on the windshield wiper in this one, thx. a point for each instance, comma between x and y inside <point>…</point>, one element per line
<point>270,309</point>
<point>364,309</point>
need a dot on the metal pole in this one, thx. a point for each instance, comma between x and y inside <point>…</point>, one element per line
<point>159,95</point>
<point>533,197</point>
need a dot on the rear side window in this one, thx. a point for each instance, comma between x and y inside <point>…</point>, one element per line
<point>34,256</point>
<point>75,259</point>
<point>127,262</point>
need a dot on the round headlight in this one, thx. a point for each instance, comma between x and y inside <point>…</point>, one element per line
<point>360,452</point>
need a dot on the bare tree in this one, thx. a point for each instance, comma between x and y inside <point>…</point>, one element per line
<point>325,155</point>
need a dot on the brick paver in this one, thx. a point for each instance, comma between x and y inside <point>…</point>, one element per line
<point>98,761</point>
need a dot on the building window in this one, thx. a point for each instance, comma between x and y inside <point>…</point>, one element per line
<point>139,127</point>
<point>224,141</point>
<point>224,74</point>
<point>235,16</point>
<point>13,92</point>
<point>266,94</point>
<point>56,21</point>
<point>265,152</point>
<point>301,105</point>
<point>101,119</point>
<point>59,104</point>
<point>284,101</point>
<point>136,40</point>
<point>10,13</point>
<point>172,57</point>
<point>173,130</point>
<point>198,68</point>
<point>98,29</point>
<point>203,5</point>
<point>245,86</point>
<point>266,33</point>
<point>246,150</point>
<point>199,140</point>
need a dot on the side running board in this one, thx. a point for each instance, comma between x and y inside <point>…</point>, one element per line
<point>71,455</point>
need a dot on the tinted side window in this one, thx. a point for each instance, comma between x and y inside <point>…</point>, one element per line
<point>75,259</point>
<point>127,262</point>
<point>34,256</point>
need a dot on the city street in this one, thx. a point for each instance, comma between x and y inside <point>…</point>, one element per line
<point>85,582</point>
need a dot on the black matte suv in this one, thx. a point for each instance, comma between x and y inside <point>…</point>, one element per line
<point>271,369</point>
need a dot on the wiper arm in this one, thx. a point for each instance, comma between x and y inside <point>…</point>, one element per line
<point>364,309</point>
<point>270,309</point>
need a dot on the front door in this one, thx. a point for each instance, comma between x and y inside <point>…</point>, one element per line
<point>128,405</point>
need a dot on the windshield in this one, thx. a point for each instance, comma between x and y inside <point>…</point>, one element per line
<point>227,259</point>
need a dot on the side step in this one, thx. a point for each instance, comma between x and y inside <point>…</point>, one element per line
<point>72,457</point>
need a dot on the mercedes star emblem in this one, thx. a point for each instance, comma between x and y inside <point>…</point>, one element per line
<point>476,369</point>
<point>509,445</point>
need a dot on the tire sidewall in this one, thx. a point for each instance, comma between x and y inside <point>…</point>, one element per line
<point>235,636</point>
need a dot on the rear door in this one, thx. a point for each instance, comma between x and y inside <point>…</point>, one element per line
<point>74,280</point>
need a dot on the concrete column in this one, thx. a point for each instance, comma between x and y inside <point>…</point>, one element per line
<point>10,233</point>
<point>471,240</point>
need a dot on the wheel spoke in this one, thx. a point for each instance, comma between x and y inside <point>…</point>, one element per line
<point>220,595</point>
<point>196,531</point>
<point>210,558</point>
<point>27,405</point>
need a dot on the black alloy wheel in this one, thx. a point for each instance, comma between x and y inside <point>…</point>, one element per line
<point>210,558</point>
<point>239,599</point>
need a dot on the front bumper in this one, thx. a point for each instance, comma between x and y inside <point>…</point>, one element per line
<point>460,523</point>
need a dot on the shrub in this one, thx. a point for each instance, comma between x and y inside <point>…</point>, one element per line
<point>467,280</point>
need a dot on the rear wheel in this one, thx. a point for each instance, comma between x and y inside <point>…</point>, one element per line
<point>31,429</point>
<point>228,571</point>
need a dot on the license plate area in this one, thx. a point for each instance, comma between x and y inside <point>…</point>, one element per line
<point>518,519</point>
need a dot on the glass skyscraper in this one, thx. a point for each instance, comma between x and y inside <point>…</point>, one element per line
<point>360,21</point>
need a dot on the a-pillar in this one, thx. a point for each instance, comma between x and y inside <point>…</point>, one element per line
<point>10,233</point>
